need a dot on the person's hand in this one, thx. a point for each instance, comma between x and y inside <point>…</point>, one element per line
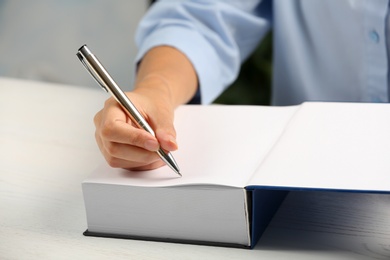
<point>123,144</point>
<point>165,80</point>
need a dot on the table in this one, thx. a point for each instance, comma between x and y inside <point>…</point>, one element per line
<point>47,148</point>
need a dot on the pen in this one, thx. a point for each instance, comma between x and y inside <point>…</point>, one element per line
<point>99,73</point>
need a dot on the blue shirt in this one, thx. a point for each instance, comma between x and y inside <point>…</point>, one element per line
<point>324,50</point>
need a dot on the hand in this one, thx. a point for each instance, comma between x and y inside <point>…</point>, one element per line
<point>165,79</point>
<point>123,144</point>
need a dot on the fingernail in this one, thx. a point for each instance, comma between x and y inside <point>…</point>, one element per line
<point>151,145</point>
<point>172,140</point>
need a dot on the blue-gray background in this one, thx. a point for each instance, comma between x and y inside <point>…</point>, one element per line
<point>39,39</point>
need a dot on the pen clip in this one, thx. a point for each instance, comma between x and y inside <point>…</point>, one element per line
<point>91,71</point>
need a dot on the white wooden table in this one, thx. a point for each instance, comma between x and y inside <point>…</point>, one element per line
<point>47,148</point>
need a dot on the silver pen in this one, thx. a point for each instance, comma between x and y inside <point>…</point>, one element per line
<point>99,73</point>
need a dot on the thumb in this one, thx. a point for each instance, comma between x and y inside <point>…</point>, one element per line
<point>166,139</point>
<point>159,112</point>
<point>165,132</point>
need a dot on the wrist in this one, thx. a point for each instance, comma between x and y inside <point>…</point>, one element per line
<point>156,86</point>
<point>168,71</point>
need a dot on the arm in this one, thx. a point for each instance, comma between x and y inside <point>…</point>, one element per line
<point>208,41</point>
<point>165,79</point>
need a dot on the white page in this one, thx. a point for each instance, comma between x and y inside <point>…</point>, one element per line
<point>332,146</point>
<point>220,145</point>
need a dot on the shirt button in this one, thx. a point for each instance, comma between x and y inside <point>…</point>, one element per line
<point>374,36</point>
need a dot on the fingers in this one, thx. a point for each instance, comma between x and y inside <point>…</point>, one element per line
<point>166,139</point>
<point>120,155</point>
<point>124,145</point>
<point>112,125</point>
<point>164,130</point>
<point>124,133</point>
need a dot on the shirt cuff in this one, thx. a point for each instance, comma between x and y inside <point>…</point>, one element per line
<point>196,48</point>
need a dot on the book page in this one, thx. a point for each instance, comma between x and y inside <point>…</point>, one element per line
<point>218,145</point>
<point>332,146</point>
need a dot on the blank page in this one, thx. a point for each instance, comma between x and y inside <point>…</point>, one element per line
<point>332,146</point>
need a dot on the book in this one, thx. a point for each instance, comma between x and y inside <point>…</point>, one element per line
<point>238,163</point>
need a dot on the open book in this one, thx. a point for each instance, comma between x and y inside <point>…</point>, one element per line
<point>238,162</point>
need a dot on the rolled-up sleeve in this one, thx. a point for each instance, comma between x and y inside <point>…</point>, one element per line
<point>216,36</point>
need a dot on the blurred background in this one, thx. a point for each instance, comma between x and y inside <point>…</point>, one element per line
<point>39,40</point>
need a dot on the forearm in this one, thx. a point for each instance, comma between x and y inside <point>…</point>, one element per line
<point>167,72</point>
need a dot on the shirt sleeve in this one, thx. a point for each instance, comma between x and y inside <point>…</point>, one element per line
<point>216,36</point>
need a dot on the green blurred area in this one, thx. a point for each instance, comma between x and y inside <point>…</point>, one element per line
<point>253,85</point>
